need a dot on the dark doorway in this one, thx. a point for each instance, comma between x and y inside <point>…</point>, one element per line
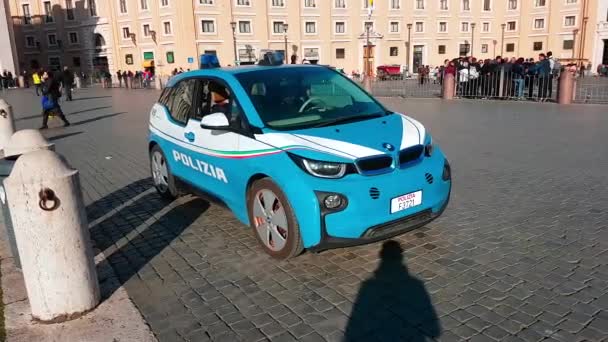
<point>605,53</point>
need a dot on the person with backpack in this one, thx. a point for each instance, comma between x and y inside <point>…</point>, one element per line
<point>50,100</point>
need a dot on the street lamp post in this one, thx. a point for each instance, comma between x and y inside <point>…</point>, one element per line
<point>236,58</point>
<point>368,68</point>
<point>574,33</point>
<point>285,26</point>
<point>407,52</point>
<point>472,37</point>
<point>502,39</point>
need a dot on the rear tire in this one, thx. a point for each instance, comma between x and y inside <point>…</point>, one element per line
<point>164,181</point>
<point>272,220</point>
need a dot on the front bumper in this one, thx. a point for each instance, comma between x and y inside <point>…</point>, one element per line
<point>366,220</point>
<point>381,231</point>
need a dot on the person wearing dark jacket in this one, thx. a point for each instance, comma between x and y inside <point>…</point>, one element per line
<point>542,70</point>
<point>50,101</point>
<point>67,81</point>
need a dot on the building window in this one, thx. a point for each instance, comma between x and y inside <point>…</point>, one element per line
<point>443,26</point>
<point>208,26</point>
<point>512,5</point>
<point>146,28</point>
<point>466,5</point>
<point>123,6</point>
<point>570,20</point>
<point>540,3</point>
<point>148,55</point>
<point>129,59</point>
<point>420,4</point>
<point>464,27</point>
<point>484,48</point>
<point>443,5</point>
<point>48,12</point>
<point>571,1</point>
<point>368,25</point>
<point>205,2</point>
<point>167,29</point>
<point>539,23</point>
<point>537,46</point>
<point>394,51</point>
<point>310,27</point>
<point>510,47</point>
<point>143,5</point>
<point>52,39</point>
<point>441,49</point>
<point>340,53</point>
<point>395,4</point>
<point>419,26</point>
<point>277,27</point>
<point>394,27</point>
<point>310,3</point>
<point>511,26</point>
<point>76,61</point>
<point>27,17</point>
<point>54,63</point>
<point>278,3</point>
<point>340,27</point>
<point>485,27</point>
<point>243,3</point>
<point>464,49</point>
<point>568,44</point>
<point>126,33</point>
<point>244,26</point>
<point>30,41</point>
<point>73,38</point>
<point>92,8</point>
<point>164,3</point>
<point>487,5</point>
<point>340,4</point>
<point>170,57</point>
<point>69,9</point>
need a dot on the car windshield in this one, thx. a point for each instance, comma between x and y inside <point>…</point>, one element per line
<point>302,97</point>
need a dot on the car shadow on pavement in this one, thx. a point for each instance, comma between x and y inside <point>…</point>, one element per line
<point>392,305</point>
<point>97,118</point>
<point>133,225</point>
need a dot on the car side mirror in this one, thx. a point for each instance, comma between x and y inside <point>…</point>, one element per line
<point>215,121</point>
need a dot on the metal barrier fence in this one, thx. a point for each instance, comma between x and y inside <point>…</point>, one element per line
<point>411,87</point>
<point>591,90</point>
<point>508,86</point>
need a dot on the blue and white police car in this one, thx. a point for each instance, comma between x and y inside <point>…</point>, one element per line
<point>300,153</point>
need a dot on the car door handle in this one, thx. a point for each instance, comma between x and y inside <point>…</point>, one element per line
<point>190,136</point>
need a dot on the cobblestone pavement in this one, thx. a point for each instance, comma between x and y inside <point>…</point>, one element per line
<point>521,253</point>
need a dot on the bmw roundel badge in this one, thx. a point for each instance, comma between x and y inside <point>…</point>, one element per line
<point>388,147</point>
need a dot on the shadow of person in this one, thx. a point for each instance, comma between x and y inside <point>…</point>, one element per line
<point>392,305</point>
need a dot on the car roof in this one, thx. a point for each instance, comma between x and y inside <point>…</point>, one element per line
<point>235,70</point>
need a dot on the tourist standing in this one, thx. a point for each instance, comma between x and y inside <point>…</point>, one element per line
<point>67,81</point>
<point>50,100</point>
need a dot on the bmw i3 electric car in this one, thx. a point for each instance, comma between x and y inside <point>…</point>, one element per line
<point>300,153</point>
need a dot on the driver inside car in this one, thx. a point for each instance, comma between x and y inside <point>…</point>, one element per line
<point>220,97</point>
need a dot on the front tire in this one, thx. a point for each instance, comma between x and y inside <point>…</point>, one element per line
<point>164,181</point>
<point>272,220</point>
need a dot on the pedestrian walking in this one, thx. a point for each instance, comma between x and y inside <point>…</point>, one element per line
<point>67,82</point>
<point>36,79</point>
<point>125,79</point>
<point>130,78</point>
<point>50,100</point>
<point>119,76</point>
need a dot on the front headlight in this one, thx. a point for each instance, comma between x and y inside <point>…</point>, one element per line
<point>428,145</point>
<point>324,169</point>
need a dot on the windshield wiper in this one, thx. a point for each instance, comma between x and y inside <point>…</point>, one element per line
<point>346,119</point>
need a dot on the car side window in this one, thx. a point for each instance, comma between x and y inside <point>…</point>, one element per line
<point>180,101</point>
<point>216,97</point>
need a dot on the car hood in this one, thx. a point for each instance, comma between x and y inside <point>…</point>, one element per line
<point>349,141</point>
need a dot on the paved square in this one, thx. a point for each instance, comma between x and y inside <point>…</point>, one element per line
<point>521,253</point>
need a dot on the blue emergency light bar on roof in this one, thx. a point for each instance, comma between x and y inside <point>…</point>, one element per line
<point>209,61</point>
<point>272,58</point>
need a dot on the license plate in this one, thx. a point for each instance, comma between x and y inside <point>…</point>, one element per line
<point>406,201</point>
